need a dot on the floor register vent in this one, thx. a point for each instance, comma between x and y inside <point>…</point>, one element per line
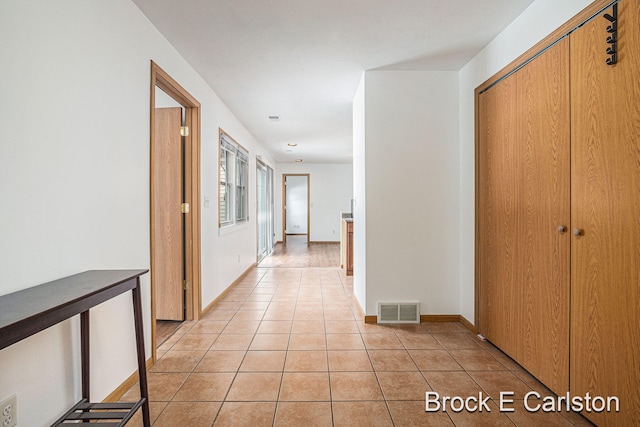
<point>398,312</point>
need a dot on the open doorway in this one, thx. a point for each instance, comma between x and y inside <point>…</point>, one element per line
<point>175,210</point>
<point>167,149</point>
<point>295,206</point>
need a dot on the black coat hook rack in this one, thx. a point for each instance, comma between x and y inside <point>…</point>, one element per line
<point>612,39</point>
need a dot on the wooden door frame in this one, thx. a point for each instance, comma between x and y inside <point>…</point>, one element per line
<point>284,203</point>
<point>193,298</point>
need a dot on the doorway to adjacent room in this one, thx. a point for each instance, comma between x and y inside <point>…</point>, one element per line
<point>175,210</point>
<point>295,206</point>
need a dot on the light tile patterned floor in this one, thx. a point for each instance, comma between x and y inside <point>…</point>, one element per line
<point>286,347</point>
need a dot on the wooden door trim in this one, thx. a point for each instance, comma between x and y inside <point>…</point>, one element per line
<point>162,80</point>
<point>568,26</point>
<point>284,202</point>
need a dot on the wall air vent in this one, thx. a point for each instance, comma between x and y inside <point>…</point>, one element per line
<point>398,312</point>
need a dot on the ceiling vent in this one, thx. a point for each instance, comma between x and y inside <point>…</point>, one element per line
<point>274,118</point>
<point>398,312</point>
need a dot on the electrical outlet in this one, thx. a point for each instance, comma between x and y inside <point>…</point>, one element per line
<point>9,408</point>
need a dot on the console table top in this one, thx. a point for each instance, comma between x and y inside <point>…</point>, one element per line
<point>30,310</point>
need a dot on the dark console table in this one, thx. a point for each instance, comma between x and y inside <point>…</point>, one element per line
<point>32,310</point>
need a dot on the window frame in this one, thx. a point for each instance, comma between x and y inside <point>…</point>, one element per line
<point>241,187</point>
<point>234,178</point>
<point>225,198</point>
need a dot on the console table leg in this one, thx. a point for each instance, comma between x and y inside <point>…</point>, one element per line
<point>142,366</point>
<point>84,353</point>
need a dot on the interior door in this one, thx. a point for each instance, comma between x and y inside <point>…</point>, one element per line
<point>605,213</point>
<point>499,165</point>
<point>168,252</point>
<point>544,145</point>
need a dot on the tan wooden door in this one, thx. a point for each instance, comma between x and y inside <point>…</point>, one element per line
<point>524,197</point>
<point>498,193</point>
<point>544,149</point>
<point>168,269</point>
<point>605,209</point>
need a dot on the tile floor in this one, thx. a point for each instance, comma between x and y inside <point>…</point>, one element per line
<point>286,347</point>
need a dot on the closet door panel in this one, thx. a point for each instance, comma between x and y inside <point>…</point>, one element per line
<point>499,298</point>
<point>544,251</point>
<point>605,292</point>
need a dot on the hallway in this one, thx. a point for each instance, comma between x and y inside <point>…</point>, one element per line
<point>287,347</point>
<point>298,253</point>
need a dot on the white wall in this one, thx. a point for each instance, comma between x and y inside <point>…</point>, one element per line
<point>74,180</point>
<point>330,192</point>
<point>227,252</point>
<point>359,195</point>
<point>162,100</point>
<point>535,23</point>
<point>297,206</point>
<point>411,189</point>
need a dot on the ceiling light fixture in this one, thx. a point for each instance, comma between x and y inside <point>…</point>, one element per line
<point>298,160</point>
<point>292,144</point>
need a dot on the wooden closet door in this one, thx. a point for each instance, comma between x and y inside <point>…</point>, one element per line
<point>605,289</point>
<point>543,143</point>
<point>498,170</point>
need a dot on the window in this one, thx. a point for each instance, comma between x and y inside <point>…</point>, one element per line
<point>233,179</point>
<point>242,177</point>
<point>225,187</point>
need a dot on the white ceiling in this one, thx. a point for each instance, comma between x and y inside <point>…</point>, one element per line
<point>302,59</point>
